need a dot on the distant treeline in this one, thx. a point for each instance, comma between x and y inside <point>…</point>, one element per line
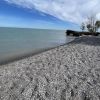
<point>76,33</point>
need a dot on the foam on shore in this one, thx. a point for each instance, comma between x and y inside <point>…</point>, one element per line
<point>68,72</point>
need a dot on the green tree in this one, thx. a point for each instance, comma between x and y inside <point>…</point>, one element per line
<point>89,27</point>
<point>92,24</point>
<point>97,24</point>
<point>82,27</point>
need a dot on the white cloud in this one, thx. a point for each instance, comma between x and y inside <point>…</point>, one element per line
<point>68,10</point>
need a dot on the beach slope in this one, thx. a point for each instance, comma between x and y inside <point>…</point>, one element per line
<point>69,72</point>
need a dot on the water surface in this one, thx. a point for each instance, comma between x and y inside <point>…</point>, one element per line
<point>17,41</point>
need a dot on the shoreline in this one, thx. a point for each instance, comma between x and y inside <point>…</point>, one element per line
<point>68,72</point>
<point>30,54</point>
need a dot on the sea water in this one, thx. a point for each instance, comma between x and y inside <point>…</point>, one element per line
<point>17,41</point>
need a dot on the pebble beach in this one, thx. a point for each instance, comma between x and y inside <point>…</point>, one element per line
<point>68,72</point>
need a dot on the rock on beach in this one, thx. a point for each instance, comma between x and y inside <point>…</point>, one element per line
<point>69,72</point>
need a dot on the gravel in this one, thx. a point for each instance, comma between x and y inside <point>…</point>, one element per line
<point>69,72</point>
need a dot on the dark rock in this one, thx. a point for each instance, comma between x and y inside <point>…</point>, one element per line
<point>76,33</point>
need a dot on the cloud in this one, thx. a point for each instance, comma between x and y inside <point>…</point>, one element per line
<point>74,11</point>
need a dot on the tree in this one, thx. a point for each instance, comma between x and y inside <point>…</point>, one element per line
<point>97,24</point>
<point>89,27</point>
<point>82,27</point>
<point>92,24</point>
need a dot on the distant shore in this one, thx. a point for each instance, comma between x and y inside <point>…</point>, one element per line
<point>70,71</point>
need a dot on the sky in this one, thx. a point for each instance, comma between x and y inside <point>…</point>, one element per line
<point>47,14</point>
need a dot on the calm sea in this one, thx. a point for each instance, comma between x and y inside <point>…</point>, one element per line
<point>17,41</point>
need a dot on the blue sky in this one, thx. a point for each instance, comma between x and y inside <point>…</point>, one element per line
<point>49,14</point>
